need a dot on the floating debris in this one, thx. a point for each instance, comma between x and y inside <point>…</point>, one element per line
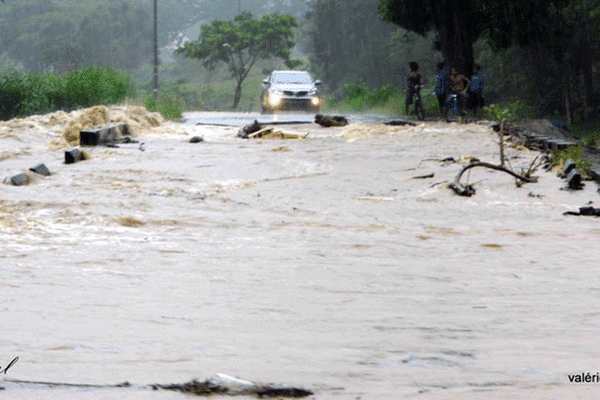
<point>225,384</point>
<point>328,121</point>
<point>249,129</point>
<point>271,133</point>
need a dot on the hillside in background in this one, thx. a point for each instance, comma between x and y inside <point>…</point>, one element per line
<point>40,35</point>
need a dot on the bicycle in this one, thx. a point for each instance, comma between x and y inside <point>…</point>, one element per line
<point>419,110</point>
<point>455,106</point>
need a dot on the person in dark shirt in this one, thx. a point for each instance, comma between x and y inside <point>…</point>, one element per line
<point>442,87</point>
<point>476,100</point>
<point>414,79</point>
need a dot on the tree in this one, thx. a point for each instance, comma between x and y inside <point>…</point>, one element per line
<point>240,42</point>
<point>460,23</point>
<point>348,42</point>
<point>45,34</point>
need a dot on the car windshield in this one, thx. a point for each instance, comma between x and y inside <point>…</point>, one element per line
<point>291,77</point>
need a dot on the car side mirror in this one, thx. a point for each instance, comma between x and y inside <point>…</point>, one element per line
<point>317,82</point>
<point>265,83</point>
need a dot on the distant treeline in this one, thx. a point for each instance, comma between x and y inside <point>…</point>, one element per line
<point>43,35</point>
<point>27,93</point>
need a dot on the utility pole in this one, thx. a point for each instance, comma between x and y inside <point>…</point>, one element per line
<point>155,50</point>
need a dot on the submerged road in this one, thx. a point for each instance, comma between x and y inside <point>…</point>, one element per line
<point>241,119</point>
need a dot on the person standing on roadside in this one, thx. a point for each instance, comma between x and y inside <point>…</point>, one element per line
<point>414,80</point>
<point>442,87</point>
<point>477,102</point>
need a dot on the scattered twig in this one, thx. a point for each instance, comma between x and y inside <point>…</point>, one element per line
<point>442,160</point>
<point>431,175</point>
<point>437,183</point>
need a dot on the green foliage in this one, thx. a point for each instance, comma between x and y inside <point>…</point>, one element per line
<point>170,106</point>
<point>500,22</point>
<point>354,91</point>
<point>575,153</point>
<point>91,86</point>
<point>512,111</point>
<point>386,99</point>
<point>359,98</point>
<point>588,131</point>
<point>23,93</point>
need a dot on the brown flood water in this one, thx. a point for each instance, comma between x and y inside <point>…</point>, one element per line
<point>319,263</point>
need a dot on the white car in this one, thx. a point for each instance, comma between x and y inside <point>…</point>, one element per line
<point>289,91</point>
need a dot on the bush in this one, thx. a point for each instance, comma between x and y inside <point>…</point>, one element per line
<point>354,91</point>
<point>23,93</point>
<point>357,97</point>
<point>170,106</point>
<point>575,153</point>
<point>588,131</point>
<point>512,111</point>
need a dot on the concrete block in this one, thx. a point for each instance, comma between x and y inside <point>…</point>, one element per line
<point>568,167</point>
<point>559,144</point>
<point>102,135</point>
<point>41,169</point>
<point>595,173</point>
<point>74,155</point>
<point>20,179</point>
<point>574,179</point>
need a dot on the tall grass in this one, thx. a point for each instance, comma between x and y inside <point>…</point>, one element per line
<point>23,93</point>
<point>170,106</point>
<point>387,99</point>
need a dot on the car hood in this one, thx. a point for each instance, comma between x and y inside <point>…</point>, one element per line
<point>293,87</point>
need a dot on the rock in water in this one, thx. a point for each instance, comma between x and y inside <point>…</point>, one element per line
<point>249,129</point>
<point>327,121</point>
<point>41,169</point>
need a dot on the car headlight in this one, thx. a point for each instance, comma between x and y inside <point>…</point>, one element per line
<point>274,99</point>
<point>315,101</point>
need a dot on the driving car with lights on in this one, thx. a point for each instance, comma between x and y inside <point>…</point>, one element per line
<point>290,91</point>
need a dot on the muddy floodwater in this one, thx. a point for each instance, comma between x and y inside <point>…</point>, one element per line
<point>318,263</point>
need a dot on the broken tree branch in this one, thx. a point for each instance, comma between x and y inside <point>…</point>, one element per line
<point>501,137</point>
<point>469,190</point>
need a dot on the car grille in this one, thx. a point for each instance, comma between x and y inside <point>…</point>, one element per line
<point>292,93</point>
